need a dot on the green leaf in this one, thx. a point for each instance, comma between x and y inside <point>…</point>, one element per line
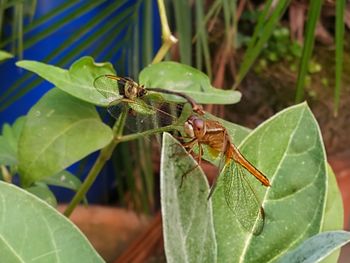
<point>44,193</point>
<point>334,211</point>
<point>317,247</point>
<point>77,81</point>
<point>9,141</point>
<point>5,55</point>
<point>31,230</point>
<point>288,149</point>
<point>59,131</point>
<point>187,219</point>
<point>183,78</point>
<point>64,179</point>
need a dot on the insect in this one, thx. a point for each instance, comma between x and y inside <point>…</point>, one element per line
<point>120,91</point>
<point>239,194</point>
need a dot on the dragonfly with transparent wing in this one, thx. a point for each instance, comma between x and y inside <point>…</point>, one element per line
<point>121,91</point>
<point>239,194</point>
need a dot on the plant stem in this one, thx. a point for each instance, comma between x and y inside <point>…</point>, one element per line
<point>101,160</point>
<point>168,39</point>
<point>147,133</point>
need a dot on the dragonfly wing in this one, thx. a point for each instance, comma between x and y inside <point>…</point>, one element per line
<point>142,107</point>
<point>109,87</point>
<point>242,199</point>
<point>115,108</point>
<point>221,165</point>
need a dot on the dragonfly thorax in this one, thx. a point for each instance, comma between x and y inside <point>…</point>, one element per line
<point>132,90</point>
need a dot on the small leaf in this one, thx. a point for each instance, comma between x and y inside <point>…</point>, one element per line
<point>63,179</point>
<point>187,219</point>
<point>183,78</point>
<point>8,155</point>
<point>316,248</point>
<point>77,81</point>
<point>5,55</point>
<point>59,131</point>
<point>44,193</point>
<point>32,231</point>
<point>9,141</point>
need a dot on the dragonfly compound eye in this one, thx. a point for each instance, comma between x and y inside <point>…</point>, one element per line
<point>199,127</point>
<point>141,92</point>
<point>198,124</point>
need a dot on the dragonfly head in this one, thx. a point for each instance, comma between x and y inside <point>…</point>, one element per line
<point>195,127</point>
<point>141,91</point>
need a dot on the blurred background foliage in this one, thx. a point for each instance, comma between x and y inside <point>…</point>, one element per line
<point>263,48</point>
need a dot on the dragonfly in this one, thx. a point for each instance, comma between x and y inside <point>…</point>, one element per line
<point>234,167</point>
<point>120,91</point>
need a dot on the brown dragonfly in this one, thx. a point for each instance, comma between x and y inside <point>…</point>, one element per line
<point>239,193</point>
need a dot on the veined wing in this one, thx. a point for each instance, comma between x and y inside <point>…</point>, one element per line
<point>137,106</point>
<point>147,115</point>
<point>242,199</point>
<point>110,86</point>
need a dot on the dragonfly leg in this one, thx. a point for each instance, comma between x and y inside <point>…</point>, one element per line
<point>181,138</point>
<point>183,177</point>
<point>200,154</point>
<point>199,160</point>
<point>188,146</point>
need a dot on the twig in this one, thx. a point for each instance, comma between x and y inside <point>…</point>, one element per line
<point>168,39</point>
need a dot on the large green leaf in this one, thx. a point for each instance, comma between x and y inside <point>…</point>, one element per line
<point>183,78</point>
<point>316,248</point>
<point>32,231</point>
<point>77,81</point>
<point>288,149</point>
<point>9,140</point>
<point>187,214</point>
<point>59,131</point>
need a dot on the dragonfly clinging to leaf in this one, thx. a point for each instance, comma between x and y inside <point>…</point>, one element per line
<point>120,91</point>
<point>239,194</point>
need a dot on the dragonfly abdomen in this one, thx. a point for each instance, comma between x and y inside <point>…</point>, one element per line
<point>234,154</point>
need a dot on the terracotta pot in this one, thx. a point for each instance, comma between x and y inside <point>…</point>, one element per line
<point>341,167</point>
<point>110,230</point>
